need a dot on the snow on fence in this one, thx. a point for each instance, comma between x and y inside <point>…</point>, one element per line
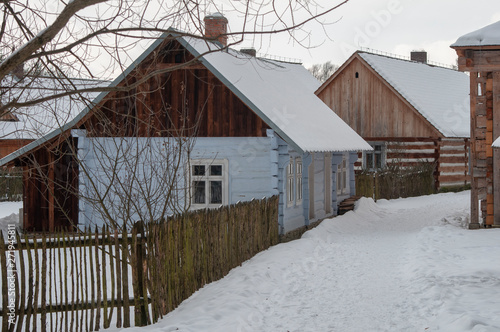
<point>103,278</point>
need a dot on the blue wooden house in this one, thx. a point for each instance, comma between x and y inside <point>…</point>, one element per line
<point>259,131</point>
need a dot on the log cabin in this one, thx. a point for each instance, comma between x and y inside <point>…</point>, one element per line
<point>234,126</point>
<point>479,54</point>
<point>408,110</point>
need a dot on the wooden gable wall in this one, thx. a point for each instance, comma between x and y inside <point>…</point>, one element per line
<point>370,106</point>
<point>189,101</point>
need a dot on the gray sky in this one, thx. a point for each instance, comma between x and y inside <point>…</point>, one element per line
<point>393,26</point>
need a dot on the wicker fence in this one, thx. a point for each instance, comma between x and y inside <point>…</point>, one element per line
<point>396,181</point>
<point>105,278</point>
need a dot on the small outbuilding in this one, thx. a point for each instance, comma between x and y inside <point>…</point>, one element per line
<point>479,54</point>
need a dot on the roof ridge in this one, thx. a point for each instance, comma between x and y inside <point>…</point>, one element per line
<point>388,55</point>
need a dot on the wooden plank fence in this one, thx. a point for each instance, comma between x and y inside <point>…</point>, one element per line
<point>102,277</point>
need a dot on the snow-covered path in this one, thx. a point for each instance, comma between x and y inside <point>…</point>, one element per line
<point>401,265</point>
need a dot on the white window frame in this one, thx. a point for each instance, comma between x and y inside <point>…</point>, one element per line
<point>290,183</point>
<point>381,153</point>
<point>298,181</point>
<point>207,178</point>
<point>343,176</point>
<point>328,182</point>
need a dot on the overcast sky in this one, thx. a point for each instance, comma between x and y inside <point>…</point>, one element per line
<point>393,26</point>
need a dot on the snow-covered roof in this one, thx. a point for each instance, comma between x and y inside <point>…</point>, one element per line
<point>38,120</point>
<point>496,144</point>
<point>487,36</point>
<point>282,94</point>
<point>441,95</point>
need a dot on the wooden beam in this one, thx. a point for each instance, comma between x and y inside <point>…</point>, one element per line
<point>479,61</point>
<point>179,66</point>
<point>474,204</point>
<point>51,192</point>
<point>496,152</point>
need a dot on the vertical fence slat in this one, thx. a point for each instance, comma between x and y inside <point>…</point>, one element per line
<point>92,281</point>
<point>72,277</point>
<point>22,276</point>
<point>30,284</point>
<point>112,272</point>
<point>61,277</point>
<point>98,281</point>
<point>66,294</point>
<point>44,288</point>
<point>37,285</point>
<point>80,278</point>
<point>85,250</point>
<point>118,282</point>
<point>135,277</point>
<point>51,287</point>
<point>104,279</point>
<point>5,290</point>
<point>124,265</point>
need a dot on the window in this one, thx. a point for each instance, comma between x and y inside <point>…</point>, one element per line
<point>375,159</point>
<point>289,183</point>
<point>209,183</point>
<point>342,176</point>
<point>294,182</point>
<point>328,183</point>
<point>298,177</point>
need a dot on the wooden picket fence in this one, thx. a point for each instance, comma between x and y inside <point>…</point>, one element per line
<point>103,278</point>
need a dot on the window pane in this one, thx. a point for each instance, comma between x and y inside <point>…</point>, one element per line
<point>378,161</point>
<point>199,192</point>
<point>369,160</point>
<point>378,147</point>
<point>215,192</point>
<point>198,170</point>
<point>216,170</point>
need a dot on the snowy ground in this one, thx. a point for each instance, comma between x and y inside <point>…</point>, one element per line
<point>9,214</point>
<point>400,265</point>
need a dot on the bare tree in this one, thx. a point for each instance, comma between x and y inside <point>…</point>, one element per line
<point>323,71</point>
<point>127,145</point>
<point>100,38</point>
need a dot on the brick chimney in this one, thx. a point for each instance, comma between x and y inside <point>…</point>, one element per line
<point>216,27</point>
<point>419,56</point>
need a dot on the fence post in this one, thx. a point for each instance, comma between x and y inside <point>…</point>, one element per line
<point>137,258</point>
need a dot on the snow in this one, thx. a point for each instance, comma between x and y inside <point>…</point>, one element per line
<point>399,265</point>
<point>487,36</point>
<point>496,144</point>
<point>40,119</point>
<point>282,94</point>
<point>441,95</point>
<point>9,214</point>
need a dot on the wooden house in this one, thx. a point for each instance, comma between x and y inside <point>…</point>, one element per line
<point>259,130</point>
<point>408,110</point>
<point>479,54</point>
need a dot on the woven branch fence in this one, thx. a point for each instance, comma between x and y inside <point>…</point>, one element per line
<point>104,278</point>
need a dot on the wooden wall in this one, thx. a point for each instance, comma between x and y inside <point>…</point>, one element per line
<point>7,146</point>
<point>50,181</point>
<point>371,107</point>
<point>184,102</point>
<point>450,155</point>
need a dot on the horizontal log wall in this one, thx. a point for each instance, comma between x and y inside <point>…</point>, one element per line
<point>451,156</point>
